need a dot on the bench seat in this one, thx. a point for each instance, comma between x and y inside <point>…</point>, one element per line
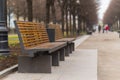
<point>69,40</point>
<point>50,47</point>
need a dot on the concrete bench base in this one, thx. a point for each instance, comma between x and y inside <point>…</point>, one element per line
<point>39,64</point>
<point>70,49</point>
<point>73,46</point>
<point>67,50</point>
<point>55,58</point>
<point>62,55</point>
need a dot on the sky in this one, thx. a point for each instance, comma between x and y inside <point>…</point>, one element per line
<point>104,4</point>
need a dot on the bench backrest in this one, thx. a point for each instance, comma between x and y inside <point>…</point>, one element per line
<point>43,31</point>
<point>58,31</point>
<point>31,34</point>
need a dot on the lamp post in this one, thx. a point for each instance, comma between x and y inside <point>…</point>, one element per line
<point>3,30</point>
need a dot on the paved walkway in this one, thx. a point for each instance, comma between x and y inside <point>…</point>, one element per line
<point>81,65</point>
<point>108,46</point>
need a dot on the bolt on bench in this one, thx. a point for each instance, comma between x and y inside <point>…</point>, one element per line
<point>55,35</point>
<point>38,54</point>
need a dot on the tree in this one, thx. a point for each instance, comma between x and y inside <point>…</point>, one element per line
<point>30,10</point>
<point>112,15</point>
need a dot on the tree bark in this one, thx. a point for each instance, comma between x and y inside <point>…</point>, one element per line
<point>74,24</point>
<point>30,10</point>
<point>53,12</point>
<point>47,12</point>
<point>67,22</point>
<point>79,24</point>
<point>62,20</point>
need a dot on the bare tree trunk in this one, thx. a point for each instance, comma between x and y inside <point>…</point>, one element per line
<point>53,12</point>
<point>70,24</point>
<point>17,14</point>
<point>62,20</point>
<point>79,24</point>
<point>47,12</point>
<point>70,14</point>
<point>25,16</point>
<point>84,27</point>
<point>74,24</point>
<point>66,22</point>
<point>30,10</point>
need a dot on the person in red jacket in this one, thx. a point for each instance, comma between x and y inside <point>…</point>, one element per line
<point>107,28</point>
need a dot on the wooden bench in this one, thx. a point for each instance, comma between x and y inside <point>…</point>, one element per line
<point>38,54</point>
<point>59,37</point>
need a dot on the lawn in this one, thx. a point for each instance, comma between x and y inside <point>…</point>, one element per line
<point>13,39</point>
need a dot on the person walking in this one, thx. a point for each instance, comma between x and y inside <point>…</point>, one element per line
<point>107,28</point>
<point>99,28</point>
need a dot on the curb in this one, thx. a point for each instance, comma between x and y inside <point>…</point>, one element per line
<point>81,40</point>
<point>8,71</point>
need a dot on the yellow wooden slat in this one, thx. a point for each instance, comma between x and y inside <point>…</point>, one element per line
<point>32,33</point>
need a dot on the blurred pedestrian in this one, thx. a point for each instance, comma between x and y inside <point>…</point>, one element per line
<point>99,28</point>
<point>107,28</point>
